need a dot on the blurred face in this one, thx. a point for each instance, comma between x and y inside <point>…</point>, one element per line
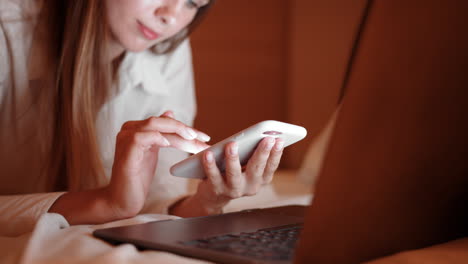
<point>137,25</point>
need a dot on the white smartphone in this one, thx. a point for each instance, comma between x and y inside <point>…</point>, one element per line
<point>247,141</point>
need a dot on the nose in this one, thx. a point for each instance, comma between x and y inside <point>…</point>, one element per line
<point>167,12</point>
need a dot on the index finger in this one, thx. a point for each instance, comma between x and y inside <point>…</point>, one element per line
<point>163,125</point>
<point>190,146</point>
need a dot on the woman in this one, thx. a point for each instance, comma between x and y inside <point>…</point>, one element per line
<point>97,100</point>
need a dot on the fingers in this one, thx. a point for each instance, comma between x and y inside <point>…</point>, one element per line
<point>190,146</point>
<point>233,174</point>
<point>177,133</point>
<point>200,135</point>
<point>257,163</point>
<point>168,113</point>
<point>143,138</point>
<point>131,147</point>
<point>273,161</point>
<point>233,183</point>
<point>212,171</point>
<point>164,125</point>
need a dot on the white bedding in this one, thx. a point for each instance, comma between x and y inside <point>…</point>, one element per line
<point>54,241</point>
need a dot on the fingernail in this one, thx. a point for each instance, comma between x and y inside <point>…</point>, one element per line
<point>192,133</point>
<point>233,150</point>
<point>203,137</point>
<point>209,157</point>
<point>279,145</point>
<point>166,142</point>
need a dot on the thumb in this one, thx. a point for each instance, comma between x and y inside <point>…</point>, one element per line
<point>168,113</point>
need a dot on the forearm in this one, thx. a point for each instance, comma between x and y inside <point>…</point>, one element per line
<point>86,207</point>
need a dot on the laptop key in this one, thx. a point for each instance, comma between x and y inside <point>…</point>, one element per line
<point>266,244</point>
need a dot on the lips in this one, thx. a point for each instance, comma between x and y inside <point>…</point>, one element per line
<point>147,33</point>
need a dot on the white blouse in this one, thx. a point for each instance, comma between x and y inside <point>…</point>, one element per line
<point>148,85</point>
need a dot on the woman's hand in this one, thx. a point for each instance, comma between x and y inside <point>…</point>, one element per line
<point>136,156</point>
<point>218,188</point>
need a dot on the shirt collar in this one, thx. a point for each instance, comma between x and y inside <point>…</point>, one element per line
<point>142,70</point>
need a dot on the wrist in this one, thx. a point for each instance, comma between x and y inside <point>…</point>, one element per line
<point>85,207</point>
<point>114,206</point>
<point>102,206</point>
<point>208,205</point>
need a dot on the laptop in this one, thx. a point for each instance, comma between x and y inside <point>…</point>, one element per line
<point>395,174</point>
<point>266,235</point>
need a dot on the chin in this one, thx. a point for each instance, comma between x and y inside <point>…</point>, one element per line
<point>136,46</point>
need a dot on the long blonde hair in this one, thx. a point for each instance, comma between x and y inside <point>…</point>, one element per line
<point>76,82</point>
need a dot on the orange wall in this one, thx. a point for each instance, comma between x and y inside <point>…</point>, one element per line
<point>321,38</point>
<point>272,59</point>
<point>239,58</point>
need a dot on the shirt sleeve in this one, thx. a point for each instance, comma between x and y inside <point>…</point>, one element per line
<point>19,213</point>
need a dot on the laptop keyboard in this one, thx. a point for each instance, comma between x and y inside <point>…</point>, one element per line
<point>276,243</point>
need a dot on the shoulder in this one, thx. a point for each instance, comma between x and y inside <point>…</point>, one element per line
<point>17,10</point>
<point>17,18</point>
<point>17,23</point>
